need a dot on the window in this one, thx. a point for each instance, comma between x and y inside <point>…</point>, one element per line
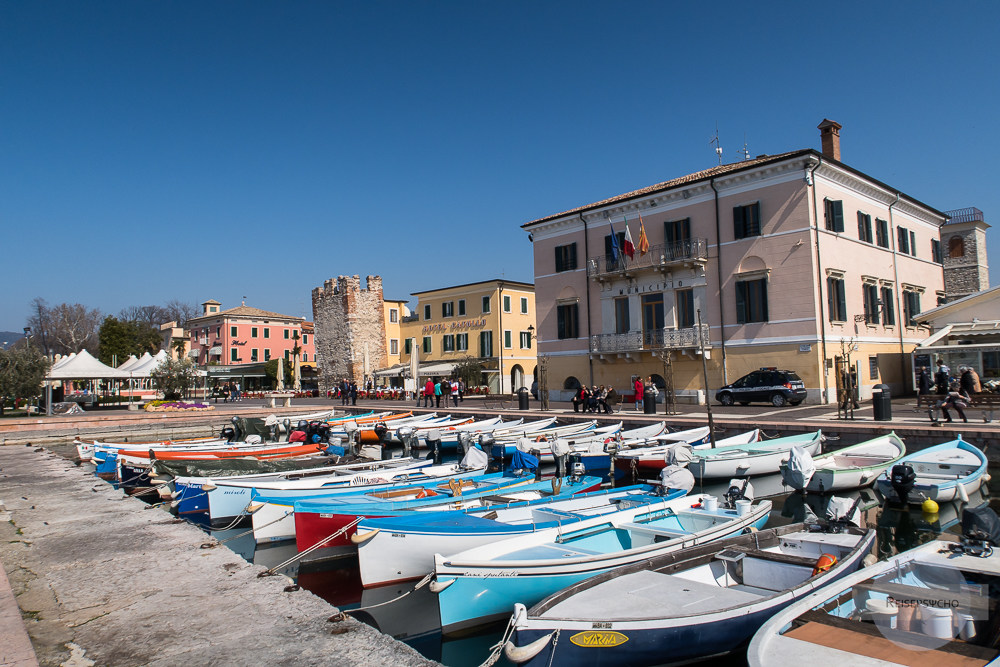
<point>485,343</point>
<point>233,354</point>
<point>393,315</point>
<point>393,346</point>
<point>486,305</point>
<point>609,251</point>
<point>956,247</point>
<point>408,346</point>
<point>448,309</point>
<point>911,306</point>
<point>567,325</point>
<point>746,220</point>
<point>427,344</point>
<point>865,227</point>
<point>622,320</point>
<point>253,332</point>
<point>303,356</point>
<point>218,331</point>
<point>903,240</point>
<point>253,354</point>
<point>653,318</point>
<point>525,340</point>
<point>232,332</point>
<point>936,255</point>
<point>913,243</point>
<point>506,303</point>
<point>286,334</point>
<point>873,367</point>
<point>565,257</point>
<point>524,305</point>
<point>677,232</point>
<point>870,293</point>
<point>836,302</point>
<point>461,307</point>
<point>305,339</point>
<point>267,354</point>
<point>288,355</point>
<point>751,301</point>
<point>888,307</point>
<point>685,308</point>
<point>427,311</point>
<point>462,342</point>
<point>834,209</point>
<point>448,343</point>
<point>882,233</point>
<point>508,339</point>
<point>267,332</point>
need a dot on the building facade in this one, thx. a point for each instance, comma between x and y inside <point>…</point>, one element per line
<point>350,330</point>
<point>963,253</point>
<point>492,322</point>
<point>964,332</point>
<point>794,260</point>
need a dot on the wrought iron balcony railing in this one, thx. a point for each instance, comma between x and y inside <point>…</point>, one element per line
<point>661,256</point>
<point>656,339</point>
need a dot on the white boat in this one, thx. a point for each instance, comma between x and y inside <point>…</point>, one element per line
<point>932,605</point>
<point>651,459</point>
<point>852,467</point>
<point>945,472</point>
<point>691,604</point>
<point>755,458</point>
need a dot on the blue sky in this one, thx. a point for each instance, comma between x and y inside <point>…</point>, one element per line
<point>152,151</point>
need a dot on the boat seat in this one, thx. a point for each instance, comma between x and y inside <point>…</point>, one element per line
<point>778,557</point>
<point>652,530</point>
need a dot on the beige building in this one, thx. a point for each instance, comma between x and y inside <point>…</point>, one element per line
<point>796,260</point>
<point>394,311</point>
<point>492,322</point>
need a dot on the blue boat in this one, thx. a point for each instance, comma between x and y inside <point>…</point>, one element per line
<point>942,473</point>
<point>687,605</point>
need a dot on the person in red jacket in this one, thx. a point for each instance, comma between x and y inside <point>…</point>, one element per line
<point>428,393</point>
<point>639,389</point>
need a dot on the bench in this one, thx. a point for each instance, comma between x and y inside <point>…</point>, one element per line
<point>286,399</point>
<point>650,530</point>
<point>983,401</point>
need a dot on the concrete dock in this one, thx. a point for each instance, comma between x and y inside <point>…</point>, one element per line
<point>102,580</point>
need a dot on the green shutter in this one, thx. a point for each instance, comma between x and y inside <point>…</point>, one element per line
<point>741,302</point>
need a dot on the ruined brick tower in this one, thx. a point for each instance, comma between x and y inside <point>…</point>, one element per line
<point>347,319</point>
<point>963,246</point>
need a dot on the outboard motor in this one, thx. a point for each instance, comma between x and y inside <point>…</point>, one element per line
<point>736,492</point>
<point>560,448</point>
<point>434,443</point>
<point>236,427</point>
<point>229,433</point>
<point>902,479</point>
<point>408,436</point>
<point>464,443</point>
<point>674,477</point>
<point>286,426</point>
<point>384,436</point>
<point>486,443</point>
<point>538,471</point>
<point>351,429</point>
<point>577,470</point>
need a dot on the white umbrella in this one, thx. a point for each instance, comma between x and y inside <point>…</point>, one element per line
<point>414,363</point>
<point>297,384</point>
<point>281,375</point>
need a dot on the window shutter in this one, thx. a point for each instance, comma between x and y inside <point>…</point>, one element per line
<point>571,263</point>
<point>755,219</point>
<point>686,229</point>
<point>741,302</point>
<point>763,300</point>
<point>841,300</point>
<point>739,224</point>
<point>913,243</point>
<point>831,298</point>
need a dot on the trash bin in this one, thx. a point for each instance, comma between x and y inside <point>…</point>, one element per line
<point>648,404</point>
<point>882,403</point>
<point>522,398</point>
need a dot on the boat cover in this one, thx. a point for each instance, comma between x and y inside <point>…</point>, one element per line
<point>680,454</point>
<point>981,523</point>
<point>475,458</point>
<point>800,469</point>
<point>676,477</point>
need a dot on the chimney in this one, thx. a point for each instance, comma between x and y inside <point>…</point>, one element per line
<point>829,133</point>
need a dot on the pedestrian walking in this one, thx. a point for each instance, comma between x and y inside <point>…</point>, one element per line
<point>428,393</point>
<point>942,377</point>
<point>639,392</point>
<point>924,381</point>
<point>437,394</point>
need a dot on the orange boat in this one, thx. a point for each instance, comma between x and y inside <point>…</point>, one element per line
<point>285,451</point>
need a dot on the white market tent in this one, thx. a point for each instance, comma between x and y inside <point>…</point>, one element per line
<point>83,366</point>
<point>129,363</point>
<point>146,364</point>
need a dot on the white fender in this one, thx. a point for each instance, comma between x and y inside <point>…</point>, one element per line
<point>521,654</point>
<point>358,538</point>
<point>208,487</point>
<point>438,586</point>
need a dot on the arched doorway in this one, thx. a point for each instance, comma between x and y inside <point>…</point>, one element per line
<point>516,377</point>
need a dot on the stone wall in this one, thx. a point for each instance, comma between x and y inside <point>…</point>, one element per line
<point>968,273</point>
<point>347,319</point>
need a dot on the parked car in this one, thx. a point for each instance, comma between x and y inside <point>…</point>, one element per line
<point>769,385</point>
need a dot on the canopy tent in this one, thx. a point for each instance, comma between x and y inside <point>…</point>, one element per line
<point>83,367</point>
<point>129,363</point>
<point>62,360</point>
<point>145,366</point>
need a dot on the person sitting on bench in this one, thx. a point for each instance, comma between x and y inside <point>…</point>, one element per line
<point>957,399</point>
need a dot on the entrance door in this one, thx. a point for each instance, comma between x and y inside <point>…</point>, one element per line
<point>652,320</point>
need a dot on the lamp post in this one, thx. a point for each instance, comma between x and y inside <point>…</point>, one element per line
<point>542,363</point>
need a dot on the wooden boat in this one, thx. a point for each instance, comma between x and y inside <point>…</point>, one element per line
<point>944,472</point>
<point>854,622</point>
<point>257,451</point>
<point>852,467</point>
<point>368,436</point>
<point>650,460</point>
<point>317,520</point>
<point>482,584</point>
<point>402,547</point>
<point>755,458</point>
<point>695,603</point>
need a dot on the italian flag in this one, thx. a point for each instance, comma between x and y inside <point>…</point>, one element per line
<point>629,248</point>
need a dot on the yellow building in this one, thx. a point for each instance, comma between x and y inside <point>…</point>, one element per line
<point>492,322</point>
<point>393,312</point>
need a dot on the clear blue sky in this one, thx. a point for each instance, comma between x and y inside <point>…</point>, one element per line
<point>152,151</point>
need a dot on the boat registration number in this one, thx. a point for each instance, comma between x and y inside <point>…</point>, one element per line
<point>598,639</point>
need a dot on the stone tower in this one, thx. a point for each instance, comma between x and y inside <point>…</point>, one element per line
<point>348,319</point>
<point>963,250</point>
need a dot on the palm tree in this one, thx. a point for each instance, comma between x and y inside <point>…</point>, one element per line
<point>179,344</point>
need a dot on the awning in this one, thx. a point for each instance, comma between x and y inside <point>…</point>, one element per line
<point>193,354</point>
<point>392,371</point>
<point>215,351</point>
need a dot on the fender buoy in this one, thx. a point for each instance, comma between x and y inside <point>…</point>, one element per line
<point>824,563</point>
<point>421,494</point>
<point>541,438</point>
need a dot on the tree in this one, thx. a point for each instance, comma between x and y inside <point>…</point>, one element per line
<point>173,377</point>
<point>22,369</point>
<point>469,371</point>
<point>66,328</point>
<point>180,312</point>
<point>179,344</point>
<point>118,339</point>
<point>271,370</point>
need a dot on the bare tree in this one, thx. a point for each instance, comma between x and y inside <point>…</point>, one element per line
<point>39,321</point>
<point>180,312</point>
<point>67,328</point>
<point>154,316</point>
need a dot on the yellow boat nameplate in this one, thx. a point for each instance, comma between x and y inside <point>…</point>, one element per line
<point>598,639</point>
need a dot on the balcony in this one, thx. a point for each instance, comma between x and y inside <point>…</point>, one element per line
<point>661,257</point>
<point>649,341</point>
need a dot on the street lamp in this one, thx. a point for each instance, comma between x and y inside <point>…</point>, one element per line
<point>542,362</point>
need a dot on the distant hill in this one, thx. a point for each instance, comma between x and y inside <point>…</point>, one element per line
<point>8,337</point>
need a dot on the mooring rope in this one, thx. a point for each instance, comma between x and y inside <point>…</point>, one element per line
<point>497,648</point>
<point>212,545</point>
<point>302,554</point>
<point>420,584</point>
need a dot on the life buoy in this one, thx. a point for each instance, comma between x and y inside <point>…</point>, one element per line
<point>824,563</point>
<point>541,438</point>
<point>426,493</point>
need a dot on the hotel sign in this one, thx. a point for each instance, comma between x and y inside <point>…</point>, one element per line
<point>464,325</point>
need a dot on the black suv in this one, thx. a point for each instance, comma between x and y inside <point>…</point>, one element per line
<point>768,384</point>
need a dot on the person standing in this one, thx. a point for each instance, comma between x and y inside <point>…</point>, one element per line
<point>461,390</point>
<point>428,392</point>
<point>437,394</point>
<point>445,390</point>
<point>639,393</point>
<point>942,377</point>
<point>354,393</point>
<point>970,381</point>
<point>924,381</point>
<point>454,392</point>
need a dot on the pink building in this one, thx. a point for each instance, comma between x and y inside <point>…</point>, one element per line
<point>796,260</point>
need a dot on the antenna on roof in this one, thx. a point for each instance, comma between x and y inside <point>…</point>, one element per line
<point>746,150</point>
<point>718,146</point>
<point>244,299</point>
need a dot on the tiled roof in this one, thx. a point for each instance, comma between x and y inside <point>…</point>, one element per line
<point>667,185</point>
<point>247,311</point>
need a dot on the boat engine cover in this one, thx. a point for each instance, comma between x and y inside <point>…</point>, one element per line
<point>902,479</point>
<point>981,523</point>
